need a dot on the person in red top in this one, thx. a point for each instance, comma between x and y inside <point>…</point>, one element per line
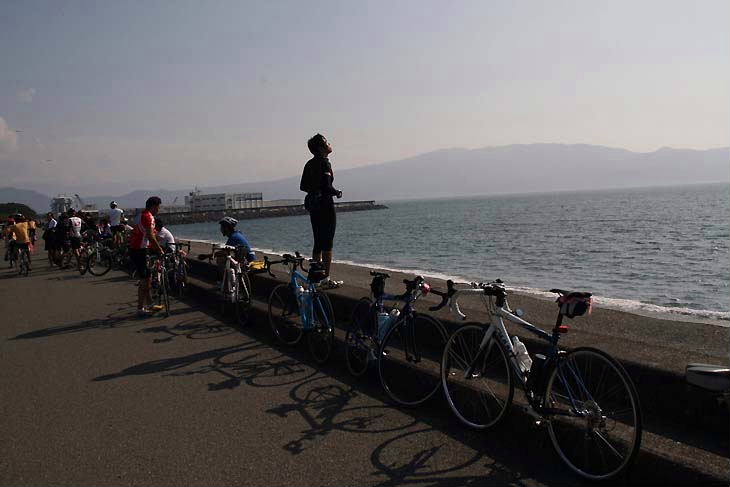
<point>144,239</point>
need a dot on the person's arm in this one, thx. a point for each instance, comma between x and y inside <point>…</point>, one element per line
<point>151,237</point>
<point>327,179</point>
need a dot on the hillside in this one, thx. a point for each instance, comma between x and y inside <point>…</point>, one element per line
<point>10,209</point>
<point>38,201</point>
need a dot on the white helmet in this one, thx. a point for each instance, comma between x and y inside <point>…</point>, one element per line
<point>228,221</point>
<point>113,204</point>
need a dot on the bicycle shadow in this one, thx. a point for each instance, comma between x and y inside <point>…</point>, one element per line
<point>194,329</point>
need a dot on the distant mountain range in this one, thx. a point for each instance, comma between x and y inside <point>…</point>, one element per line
<point>490,170</point>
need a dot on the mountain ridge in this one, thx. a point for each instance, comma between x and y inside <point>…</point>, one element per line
<point>514,168</point>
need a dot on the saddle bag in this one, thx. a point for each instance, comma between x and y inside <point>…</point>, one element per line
<point>572,306</point>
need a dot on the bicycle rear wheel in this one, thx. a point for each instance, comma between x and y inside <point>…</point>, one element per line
<point>243,299</point>
<point>24,265</point>
<point>408,360</point>
<point>358,339</point>
<point>83,260</point>
<point>284,316</point>
<point>595,415</point>
<point>322,334</point>
<point>481,397</point>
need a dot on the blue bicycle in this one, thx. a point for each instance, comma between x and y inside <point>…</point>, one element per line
<point>298,306</point>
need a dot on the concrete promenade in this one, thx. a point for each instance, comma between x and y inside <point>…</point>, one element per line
<point>92,396</point>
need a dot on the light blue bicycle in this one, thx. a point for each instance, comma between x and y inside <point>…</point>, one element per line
<point>298,307</point>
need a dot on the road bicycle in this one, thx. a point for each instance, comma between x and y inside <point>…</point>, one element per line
<point>160,288</point>
<point>21,256</point>
<point>235,287</point>
<point>298,307</point>
<point>178,268</point>
<point>406,345</point>
<point>583,396</point>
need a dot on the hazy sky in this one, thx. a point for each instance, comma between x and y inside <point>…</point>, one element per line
<point>121,93</point>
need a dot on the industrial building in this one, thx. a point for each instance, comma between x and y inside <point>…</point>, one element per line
<point>223,201</point>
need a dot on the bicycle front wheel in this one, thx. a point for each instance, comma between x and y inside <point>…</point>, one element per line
<point>243,299</point>
<point>594,414</point>
<point>284,316</point>
<point>99,262</point>
<point>322,334</point>
<point>408,360</point>
<point>477,380</point>
<point>358,339</point>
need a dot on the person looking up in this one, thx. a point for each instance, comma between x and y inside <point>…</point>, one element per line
<point>317,179</point>
<point>142,241</point>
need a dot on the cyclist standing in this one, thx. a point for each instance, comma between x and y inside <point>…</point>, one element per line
<point>317,178</point>
<point>144,239</point>
<point>49,236</point>
<point>20,231</point>
<point>115,220</point>
<point>76,226</point>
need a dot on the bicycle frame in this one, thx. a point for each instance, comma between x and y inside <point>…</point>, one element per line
<point>498,327</point>
<point>306,308</point>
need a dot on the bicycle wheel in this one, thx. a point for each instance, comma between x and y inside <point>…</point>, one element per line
<point>284,316</point>
<point>595,416</point>
<point>163,292</point>
<point>408,359</point>
<point>322,334</point>
<point>181,277</point>
<point>243,299</point>
<point>83,260</point>
<point>358,339</point>
<point>24,265</point>
<point>100,262</point>
<point>481,398</point>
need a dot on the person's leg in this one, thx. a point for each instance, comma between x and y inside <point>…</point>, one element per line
<point>314,218</point>
<point>329,224</point>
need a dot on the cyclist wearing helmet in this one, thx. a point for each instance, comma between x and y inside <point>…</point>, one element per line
<point>235,237</point>
<point>115,220</point>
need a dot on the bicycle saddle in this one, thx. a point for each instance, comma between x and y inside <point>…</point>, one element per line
<point>714,378</point>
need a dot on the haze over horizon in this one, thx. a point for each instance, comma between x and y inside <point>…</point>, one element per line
<point>115,96</point>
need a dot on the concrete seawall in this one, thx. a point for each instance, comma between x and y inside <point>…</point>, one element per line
<point>179,218</point>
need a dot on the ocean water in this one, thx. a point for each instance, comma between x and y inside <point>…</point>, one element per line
<point>657,250</point>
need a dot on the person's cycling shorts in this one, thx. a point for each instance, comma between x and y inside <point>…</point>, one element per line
<point>75,243</point>
<point>139,260</point>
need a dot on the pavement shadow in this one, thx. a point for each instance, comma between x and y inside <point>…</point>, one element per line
<point>110,322</point>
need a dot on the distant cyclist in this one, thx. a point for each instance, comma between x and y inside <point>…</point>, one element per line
<point>20,237</point>
<point>317,178</point>
<point>50,237</point>
<point>115,220</point>
<point>75,226</point>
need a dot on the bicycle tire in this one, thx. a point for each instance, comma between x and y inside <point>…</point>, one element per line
<point>243,299</point>
<point>24,267</point>
<point>284,315</point>
<point>357,351</point>
<point>483,399</point>
<point>83,261</point>
<point>585,423</point>
<point>181,278</point>
<point>411,377</point>
<point>165,292</point>
<point>322,335</point>
<point>99,263</point>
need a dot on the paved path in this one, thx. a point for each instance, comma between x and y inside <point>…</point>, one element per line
<point>93,396</point>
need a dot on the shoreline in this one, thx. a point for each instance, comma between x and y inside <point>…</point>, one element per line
<point>600,302</point>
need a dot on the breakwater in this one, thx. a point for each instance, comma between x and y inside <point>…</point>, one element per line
<point>183,217</point>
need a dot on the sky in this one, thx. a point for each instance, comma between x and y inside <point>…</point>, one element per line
<point>111,96</point>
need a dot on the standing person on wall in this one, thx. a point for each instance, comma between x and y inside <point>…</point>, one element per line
<point>317,179</point>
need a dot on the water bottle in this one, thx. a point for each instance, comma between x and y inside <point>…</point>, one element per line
<point>383,319</point>
<point>523,358</point>
<point>306,305</point>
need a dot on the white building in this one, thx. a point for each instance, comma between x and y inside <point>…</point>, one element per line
<point>223,201</point>
<point>61,204</point>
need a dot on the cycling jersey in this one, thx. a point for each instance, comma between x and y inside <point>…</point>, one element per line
<point>115,216</point>
<point>165,239</point>
<point>20,231</point>
<point>75,226</point>
<point>143,222</point>
<point>236,239</point>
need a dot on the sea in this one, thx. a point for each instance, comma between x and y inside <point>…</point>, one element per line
<point>662,251</point>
